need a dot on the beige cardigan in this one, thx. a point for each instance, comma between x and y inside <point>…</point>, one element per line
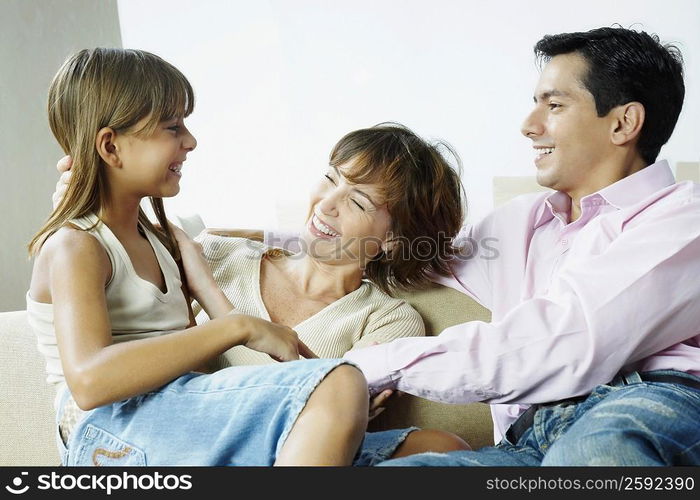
<point>361,318</point>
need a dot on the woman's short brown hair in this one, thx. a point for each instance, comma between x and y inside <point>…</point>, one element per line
<point>424,196</point>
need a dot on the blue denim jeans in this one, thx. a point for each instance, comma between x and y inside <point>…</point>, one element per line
<point>628,422</point>
<point>237,416</point>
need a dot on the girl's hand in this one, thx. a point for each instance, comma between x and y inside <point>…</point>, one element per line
<point>200,279</point>
<point>376,404</point>
<point>63,166</point>
<point>280,342</point>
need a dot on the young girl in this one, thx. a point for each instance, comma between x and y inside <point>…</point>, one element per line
<point>111,314</point>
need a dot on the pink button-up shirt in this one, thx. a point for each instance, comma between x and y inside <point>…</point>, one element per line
<point>572,304</point>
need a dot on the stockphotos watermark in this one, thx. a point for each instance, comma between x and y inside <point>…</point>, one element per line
<point>18,487</point>
<point>106,483</point>
<point>421,249</point>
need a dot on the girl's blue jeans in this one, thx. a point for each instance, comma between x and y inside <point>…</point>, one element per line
<point>237,416</point>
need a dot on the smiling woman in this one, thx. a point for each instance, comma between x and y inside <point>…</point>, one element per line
<point>348,221</point>
<point>381,217</point>
<point>417,188</point>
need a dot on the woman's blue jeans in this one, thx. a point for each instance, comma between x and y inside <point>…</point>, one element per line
<point>628,422</point>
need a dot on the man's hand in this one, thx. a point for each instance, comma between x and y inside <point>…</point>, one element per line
<point>63,166</point>
<point>377,403</point>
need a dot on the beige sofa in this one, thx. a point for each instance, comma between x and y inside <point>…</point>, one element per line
<point>26,411</point>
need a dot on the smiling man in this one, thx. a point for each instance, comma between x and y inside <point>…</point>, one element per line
<point>593,353</point>
<point>579,151</point>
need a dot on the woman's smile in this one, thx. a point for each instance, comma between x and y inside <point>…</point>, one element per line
<point>320,229</point>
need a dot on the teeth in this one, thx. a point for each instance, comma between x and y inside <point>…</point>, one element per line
<point>544,151</point>
<point>176,168</point>
<point>323,228</point>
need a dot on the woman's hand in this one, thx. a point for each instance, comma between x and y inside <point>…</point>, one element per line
<point>280,342</point>
<point>63,166</point>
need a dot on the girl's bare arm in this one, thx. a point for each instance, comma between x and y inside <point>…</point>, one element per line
<point>99,372</point>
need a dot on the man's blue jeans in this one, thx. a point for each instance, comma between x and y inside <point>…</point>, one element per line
<point>628,422</point>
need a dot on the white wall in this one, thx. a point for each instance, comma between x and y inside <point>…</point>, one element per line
<point>36,36</point>
<point>280,81</point>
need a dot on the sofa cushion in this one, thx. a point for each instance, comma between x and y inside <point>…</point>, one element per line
<point>441,307</point>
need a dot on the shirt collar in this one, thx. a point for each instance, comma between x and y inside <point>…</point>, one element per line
<point>621,194</point>
<point>555,203</point>
<point>638,186</point>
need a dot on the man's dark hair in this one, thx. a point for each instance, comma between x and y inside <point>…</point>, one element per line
<point>624,66</point>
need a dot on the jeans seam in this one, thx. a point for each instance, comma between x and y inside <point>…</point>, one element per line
<point>688,391</point>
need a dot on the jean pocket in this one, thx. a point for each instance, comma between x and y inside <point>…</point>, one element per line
<point>689,392</point>
<point>97,447</point>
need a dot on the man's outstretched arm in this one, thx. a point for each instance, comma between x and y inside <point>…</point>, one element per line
<point>603,312</point>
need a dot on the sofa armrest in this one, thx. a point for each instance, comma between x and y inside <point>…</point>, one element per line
<point>27,429</point>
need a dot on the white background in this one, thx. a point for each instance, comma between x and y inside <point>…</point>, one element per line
<point>279,82</point>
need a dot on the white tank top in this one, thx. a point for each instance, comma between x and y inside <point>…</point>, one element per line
<point>137,308</point>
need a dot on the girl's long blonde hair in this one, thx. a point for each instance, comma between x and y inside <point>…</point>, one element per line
<point>113,88</point>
